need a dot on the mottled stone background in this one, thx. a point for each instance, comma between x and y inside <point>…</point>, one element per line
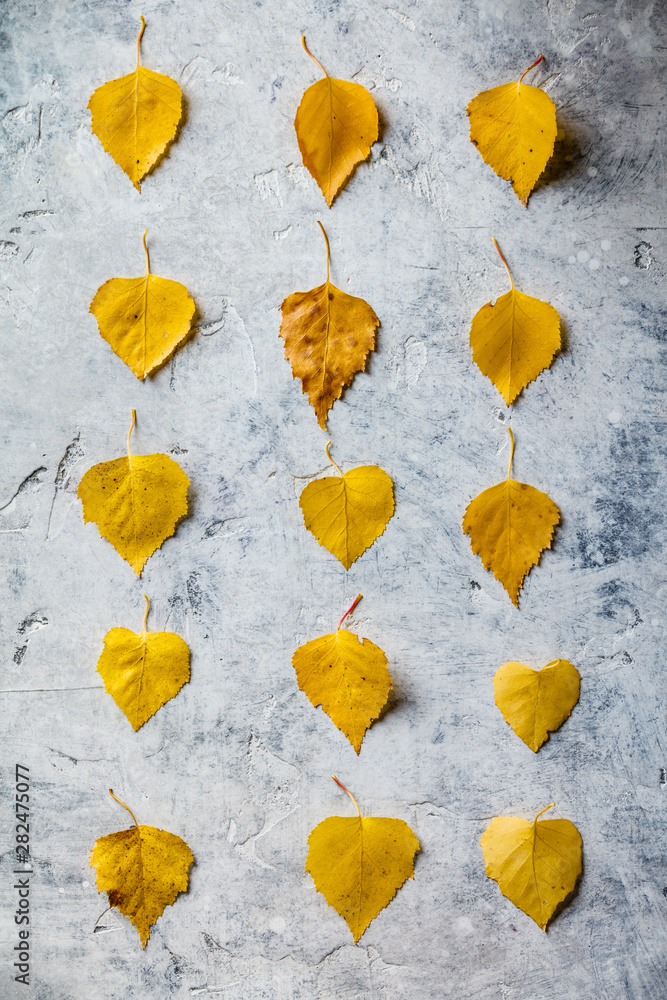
<point>239,763</point>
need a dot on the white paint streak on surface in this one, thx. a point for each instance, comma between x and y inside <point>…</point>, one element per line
<point>268,185</point>
<point>402,18</point>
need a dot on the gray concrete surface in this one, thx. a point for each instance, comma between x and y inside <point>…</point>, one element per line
<point>239,763</point>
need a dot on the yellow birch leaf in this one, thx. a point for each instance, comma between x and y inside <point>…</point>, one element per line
<point>143,671</point>
<point>135,502</point>
<point>327,335</point>
<point>514,340</point>
<point>509,525</point>
<point>348,678</point>
<point>514,129</point>
<point>359,863</point>
<point>346,513</point>
<point>143,319</point>
<point>135,117</point>
<point>336,124</point>
<point>536,865</point>
<point>536,702</point>
<point>142,870</point>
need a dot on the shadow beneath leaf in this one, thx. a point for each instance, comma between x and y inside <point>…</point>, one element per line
<point>564,339</point>
<point>394,701</point>
<point>566,157</point>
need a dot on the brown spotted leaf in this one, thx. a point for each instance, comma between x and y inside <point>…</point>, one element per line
<point>327,335</point>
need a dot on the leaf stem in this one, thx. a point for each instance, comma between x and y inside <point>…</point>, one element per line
<point>543,811</point>
<point>129,433</point>
<point>509,467</point>
<point>124,807</point>
<point>141,31</point>
<point>332,461</point>
<point>349,610</point>
<point>532,66</point>
<point>326,240</point>
<point>341,785</point>
<point>148,607</point>
<point>148,263</point>
<point>303,42</point>
<point>509,273</point>
<point>100,917</point>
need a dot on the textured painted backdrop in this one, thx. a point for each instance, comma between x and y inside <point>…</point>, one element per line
<point>239,763</point>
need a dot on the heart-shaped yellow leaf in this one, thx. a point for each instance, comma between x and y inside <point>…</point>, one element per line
<point>143,319</point>
<point>359,863</point>
<point>327,335</point>
<point>510,525</point>
<point>143,671</point>
<point>514,129</point>
<point>135,117</point>
<point>536,702</point>
<point>346,676</point>
<point>346,513</point>
<point>536,865</point>
<point>135,502</point>
<point>336,124</point>
<point>514,339</point>
<point>142,870</point>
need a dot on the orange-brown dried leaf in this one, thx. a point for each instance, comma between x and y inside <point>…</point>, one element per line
<point>328,335</point>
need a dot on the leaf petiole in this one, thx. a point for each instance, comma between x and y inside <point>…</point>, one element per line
<point>326,240</point>
<point>100,917</point>
<point>148,265</point>
<point>129,433</point>
<point>341,785</point>
<point>532,66</point>
<point>543,811</point>
<point>148,607</point>
<point>125,807</point>
<point>349,610</point>
<point>329,457</point>
<point>509,273</point>
<point>141,31</point>
<point>509,467</point>
<point>303,42</point>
